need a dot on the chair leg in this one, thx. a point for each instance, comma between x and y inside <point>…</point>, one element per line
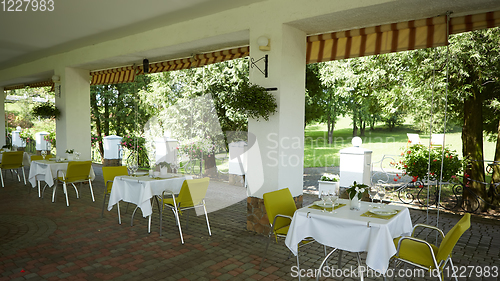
<point>1,176</point>
<point>133,214</point>
<point>298,265</point>
<point>24,176</point>
<point>452,269</point>
<point>265,251</point>
<point>176,213</point>
<point>358,256</point>
<point>66,193</point>
<point>91,191</point>
<point>206,216</point>
<point>54,188</point>
<point>104,203</point>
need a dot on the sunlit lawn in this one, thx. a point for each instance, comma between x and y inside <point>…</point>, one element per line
<point>318,153</point>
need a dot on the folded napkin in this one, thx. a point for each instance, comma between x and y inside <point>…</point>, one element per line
<point>372,215</point>
<point>326,209</point>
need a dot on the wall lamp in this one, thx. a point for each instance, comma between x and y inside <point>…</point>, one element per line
<point>263,43</point>
<point>57,85</point>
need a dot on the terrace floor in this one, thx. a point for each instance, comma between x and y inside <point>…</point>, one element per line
<point>40,240</point>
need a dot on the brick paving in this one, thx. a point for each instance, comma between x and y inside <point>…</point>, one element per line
<point>41,240</point>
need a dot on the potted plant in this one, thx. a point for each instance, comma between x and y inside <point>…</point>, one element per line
<point>328,182</point>
<point>70,153</point>
<point>164,167</point>
<point>46,110</point>
<point>356,192</point>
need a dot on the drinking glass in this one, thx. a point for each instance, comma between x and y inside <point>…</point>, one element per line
<point>324,196</point>
<point>77,155</point>
<point>333,197</point>
<point>373,191</point>
<point>133,167</point>
<point>381,193</point>
<point>44,153</point>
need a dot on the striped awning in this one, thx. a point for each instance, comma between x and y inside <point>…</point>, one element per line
<point>395,37</point>
<point>48,83</point>
<point>474,22</point>
<point>127,74</point>
<point>113,76</point>
<point>197,60</point>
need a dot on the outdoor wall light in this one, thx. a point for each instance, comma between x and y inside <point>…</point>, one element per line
<point>145,66</point>
<point>263,43</point>
<point>57,85</point>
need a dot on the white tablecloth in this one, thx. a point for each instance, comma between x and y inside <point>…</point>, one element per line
<point>45,170</point>
<point>348,230</point>
<point>139,190</point>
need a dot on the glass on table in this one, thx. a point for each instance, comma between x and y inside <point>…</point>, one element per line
<point>381,193</point>
<point>44,153</point>
<point>333,198</point>
<point>372,191</point>
<point>324,196</point>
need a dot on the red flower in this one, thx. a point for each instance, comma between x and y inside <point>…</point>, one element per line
<point>435,160</point>
<point>409,151</point>
<point>395,179</point>
<point>414,178</point>
<point>406,166</point>
<point>420,186</point>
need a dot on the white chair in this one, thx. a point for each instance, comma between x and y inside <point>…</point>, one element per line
<point>413,139</point>
<point>437,140</point>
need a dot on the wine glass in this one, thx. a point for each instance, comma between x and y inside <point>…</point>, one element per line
<point>373,191</point>
<point>333,197</point>
<point>381,193</point>
<point>324,196</point>
<point>77,155</point>
<point>44,153</point>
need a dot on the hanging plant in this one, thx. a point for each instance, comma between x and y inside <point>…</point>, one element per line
<point>255,101</point>
<point>46,110</point>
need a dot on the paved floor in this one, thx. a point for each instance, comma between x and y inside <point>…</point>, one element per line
<point>40,240</point>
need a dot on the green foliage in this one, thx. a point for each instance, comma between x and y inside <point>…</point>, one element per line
<point>46,110</point>
<point>357,189</point>
<point>416,160</point>
<point>254,101</point>
<point>26,135</point>
<point>197,147</point>
<point>134,143</point>
<point>51,138</point>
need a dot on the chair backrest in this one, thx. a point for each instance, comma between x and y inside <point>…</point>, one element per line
<point>78,171</point>
<point>437,139</point>
<point>193,192</point>
<point>12,160</point>
<point>279,202</point>
<point>451,238</point>
<point>110,172</point>
<point>413,138</point>
<point>36,157</point>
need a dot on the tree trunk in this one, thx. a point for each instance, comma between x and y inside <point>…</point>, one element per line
<point>495,177</point>
<point>354,123</point>
<point>472,141</point>
<point>210,165</point>
<point>363,128</point>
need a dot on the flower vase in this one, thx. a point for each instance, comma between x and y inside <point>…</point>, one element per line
<point>355,203</point>
<point>163,170</point>
<point>70,156</point>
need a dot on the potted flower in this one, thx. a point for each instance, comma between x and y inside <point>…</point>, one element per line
<point>46,110</point>
<point>356,192</point>
<point>415,163</point>
<point>328,183</point>
<point>70,154</point>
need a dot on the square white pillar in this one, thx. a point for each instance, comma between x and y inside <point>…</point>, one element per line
<point>276,155</point>
<point>73,126</point>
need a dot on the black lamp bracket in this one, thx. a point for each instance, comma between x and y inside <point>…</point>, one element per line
<point>253,63</point>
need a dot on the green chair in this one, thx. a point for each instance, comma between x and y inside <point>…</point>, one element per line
<point>77,172</point>
<point>12,161</point>
<point>425,255</point>
<point>192,195</point>
<point>280,208</point>
<point>109,174</point>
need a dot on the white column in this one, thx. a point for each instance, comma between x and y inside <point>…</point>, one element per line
<point>73,127</point>
<point>276,159</point>
<point>2,118</point>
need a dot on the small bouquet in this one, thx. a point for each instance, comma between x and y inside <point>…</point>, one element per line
<point>357,190</point>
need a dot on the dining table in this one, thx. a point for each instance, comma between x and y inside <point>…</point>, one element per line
<point>46,170</point>
<point>141,189</point>
<point>370,229</point>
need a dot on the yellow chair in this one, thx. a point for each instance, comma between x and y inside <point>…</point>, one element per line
<point>109,174</point>
<point>425,255</point>
<point>280,208</point>
<point>12,161</point>
<point>77,172</point>
<point>192,195</point>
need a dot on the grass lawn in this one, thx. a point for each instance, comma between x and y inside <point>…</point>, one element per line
<point>319,153</point>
